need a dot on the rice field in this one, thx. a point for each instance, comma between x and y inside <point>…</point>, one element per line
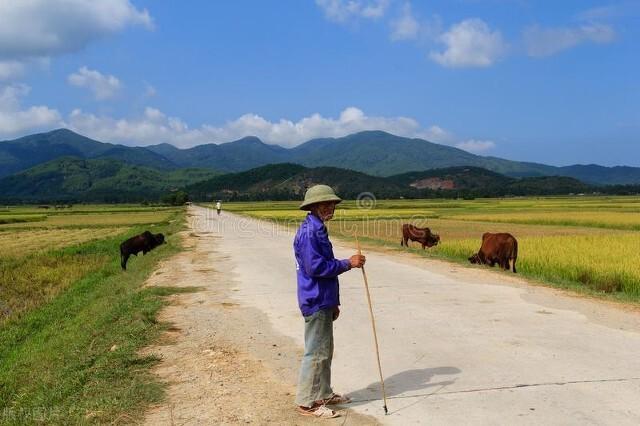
<point>598,219</point>
<point>27,241</point>
<point>590,244</point>
<point>66,306</point>
<point>43,253</point>
<point>87,216</point>
<point>21,218</point>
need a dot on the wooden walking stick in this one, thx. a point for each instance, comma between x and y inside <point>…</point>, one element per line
<point>373,325</point>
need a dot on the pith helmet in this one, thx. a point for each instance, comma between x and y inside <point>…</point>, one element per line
<point>318,194</point>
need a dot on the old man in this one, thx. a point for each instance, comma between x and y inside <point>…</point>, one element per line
<point>319,300</point>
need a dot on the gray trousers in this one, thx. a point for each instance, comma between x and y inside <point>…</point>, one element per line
<point>314,382</point>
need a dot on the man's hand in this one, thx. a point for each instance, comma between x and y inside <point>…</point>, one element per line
<point>357,261</point>
<point>336,313</point>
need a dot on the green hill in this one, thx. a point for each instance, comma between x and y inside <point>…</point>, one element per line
<point>102,180</point>
<point>452,178</point>
<point>289,181</point>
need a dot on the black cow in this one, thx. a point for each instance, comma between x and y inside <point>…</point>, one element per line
<point>144,243</point>
<point>421,235</point>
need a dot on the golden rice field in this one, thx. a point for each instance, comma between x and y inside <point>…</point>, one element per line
<point>608,219</point>
<point>21,218</point>
<point>590,243</point>
<point>90,219</point>
<point>26,241</point>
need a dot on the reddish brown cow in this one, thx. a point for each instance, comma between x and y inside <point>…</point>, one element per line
<point>497,248</point>
<point>421,235</point>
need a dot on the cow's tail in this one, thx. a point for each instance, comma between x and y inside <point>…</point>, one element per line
<point>515,255</point>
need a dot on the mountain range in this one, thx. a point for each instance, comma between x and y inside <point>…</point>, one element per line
<point>72,179</point>
<point>376,153</point>
<point>288,181</point>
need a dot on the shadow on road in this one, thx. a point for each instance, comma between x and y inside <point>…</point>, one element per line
<point>407,381</point>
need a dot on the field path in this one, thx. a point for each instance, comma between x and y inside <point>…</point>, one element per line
<point>458,345</point>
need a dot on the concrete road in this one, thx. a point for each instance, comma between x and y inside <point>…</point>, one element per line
<point>458,345</point>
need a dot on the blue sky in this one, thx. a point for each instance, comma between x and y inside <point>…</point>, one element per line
<point>556,82</point>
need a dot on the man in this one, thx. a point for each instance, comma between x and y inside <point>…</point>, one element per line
<point>218,206</point>
<point>318,298</point>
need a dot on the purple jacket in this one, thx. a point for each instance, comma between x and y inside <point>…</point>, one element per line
<point>316,267</point>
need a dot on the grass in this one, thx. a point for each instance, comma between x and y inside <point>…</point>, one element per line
<point>71,355</point>
<point>590,244</point>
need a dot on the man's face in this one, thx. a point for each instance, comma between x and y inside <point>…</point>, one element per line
<point>325,210</point>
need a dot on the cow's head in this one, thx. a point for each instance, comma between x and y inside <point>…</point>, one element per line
<point>475,259</point>
<point>160,239</point>
<point>432,240</point>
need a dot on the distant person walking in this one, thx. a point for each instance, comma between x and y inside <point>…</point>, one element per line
<point>318,298</point>
<point>218,206</point>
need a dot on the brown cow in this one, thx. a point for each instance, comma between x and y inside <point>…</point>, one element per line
<point>497,248</point>
<point>144,243</point>
<point>421,235</point>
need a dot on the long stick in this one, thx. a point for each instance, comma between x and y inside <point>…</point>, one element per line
<point>373,325</point>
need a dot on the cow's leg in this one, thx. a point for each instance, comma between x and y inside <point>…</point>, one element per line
<point>514,265</point>
<point>123,261</point>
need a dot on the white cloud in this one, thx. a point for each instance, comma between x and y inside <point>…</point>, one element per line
<point>149,90</point>
<point>14,119</point>
<point>406,27</point>
<point>436,134</point>
<point>345,10</point>
<point>102,86</point>
<point>597,13</point>
<point>476,146</point>
<point>11,69</point>
<point>155,127</point>
<point>624,9</point>
<point>470,43</point>
<point>547,41</point>
<point>31,29</point>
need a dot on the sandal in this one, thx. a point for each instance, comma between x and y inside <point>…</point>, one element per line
<point>337,399</point>
<point>321,412</point>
